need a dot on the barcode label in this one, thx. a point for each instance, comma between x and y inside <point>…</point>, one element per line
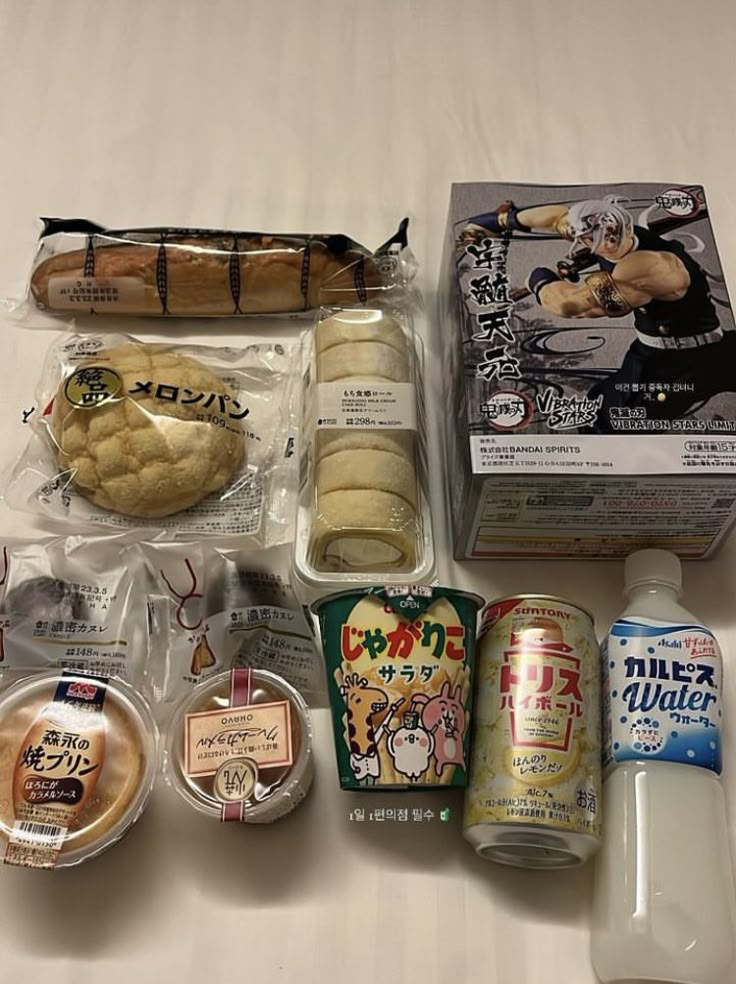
<point>28,834</point>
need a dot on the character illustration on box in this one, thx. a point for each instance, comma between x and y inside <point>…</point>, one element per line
<point>681,355</point>
<point>430,737</point>
<point>366,724</point>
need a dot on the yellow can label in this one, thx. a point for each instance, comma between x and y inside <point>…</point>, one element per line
<point>537,745</point>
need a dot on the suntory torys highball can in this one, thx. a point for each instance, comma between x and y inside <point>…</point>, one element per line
<point>534,792</point>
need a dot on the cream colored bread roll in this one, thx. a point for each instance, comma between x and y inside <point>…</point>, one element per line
<point>363,529</point>
<point>380,471</point>
<point>366,484</point>
<point>371,361</point>
<point>333,440</point>
<point>360,326</point>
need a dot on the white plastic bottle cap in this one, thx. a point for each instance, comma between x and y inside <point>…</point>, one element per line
<point>653,565</point>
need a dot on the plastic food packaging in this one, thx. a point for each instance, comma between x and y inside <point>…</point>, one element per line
<point>77,763</point>
<point>82,268</point>
<point>400,664</point>
<point>363,513</point>
<point>72,603</point>
<point>239,747</point>
<point>211,608</point>
<point>664,905</point>
<point>179,438</point>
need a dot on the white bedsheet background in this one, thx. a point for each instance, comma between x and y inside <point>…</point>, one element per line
<point>337,115</point>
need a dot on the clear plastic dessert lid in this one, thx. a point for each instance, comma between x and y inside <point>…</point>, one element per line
<point>78,758</point>
<point>239,747</point>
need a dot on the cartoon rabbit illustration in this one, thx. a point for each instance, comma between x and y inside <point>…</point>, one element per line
<point>444,718</point>
<point>410,746</point>
<point>363,703</point>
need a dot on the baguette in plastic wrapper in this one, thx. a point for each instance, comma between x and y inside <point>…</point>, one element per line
<point>83,268</point>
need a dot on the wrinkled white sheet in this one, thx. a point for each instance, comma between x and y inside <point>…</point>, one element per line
<point>338,115</point>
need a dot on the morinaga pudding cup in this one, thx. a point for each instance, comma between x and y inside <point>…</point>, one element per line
<point>239,747</point>
<point>78,757</point>
<point>400,665</point>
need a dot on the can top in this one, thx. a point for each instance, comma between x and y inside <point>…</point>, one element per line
<point>544,598</point>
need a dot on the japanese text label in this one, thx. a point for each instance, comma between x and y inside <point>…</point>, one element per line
<point>662,697</point>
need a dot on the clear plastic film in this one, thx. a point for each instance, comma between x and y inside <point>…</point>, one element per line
<point>78,758</point>
<point>82,268</point>
<point>178,439</point>
<point>363,513</point>
<point>72,603</point>
<point>211,608</point>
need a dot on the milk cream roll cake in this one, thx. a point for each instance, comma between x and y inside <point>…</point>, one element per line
<point>365,474</point>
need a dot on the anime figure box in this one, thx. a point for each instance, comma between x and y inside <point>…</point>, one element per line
<point>591,349</point>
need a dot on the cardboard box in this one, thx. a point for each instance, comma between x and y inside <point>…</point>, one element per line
<point>591,351</point>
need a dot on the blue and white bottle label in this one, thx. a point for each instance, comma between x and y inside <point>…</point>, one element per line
<point>662,693</point>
